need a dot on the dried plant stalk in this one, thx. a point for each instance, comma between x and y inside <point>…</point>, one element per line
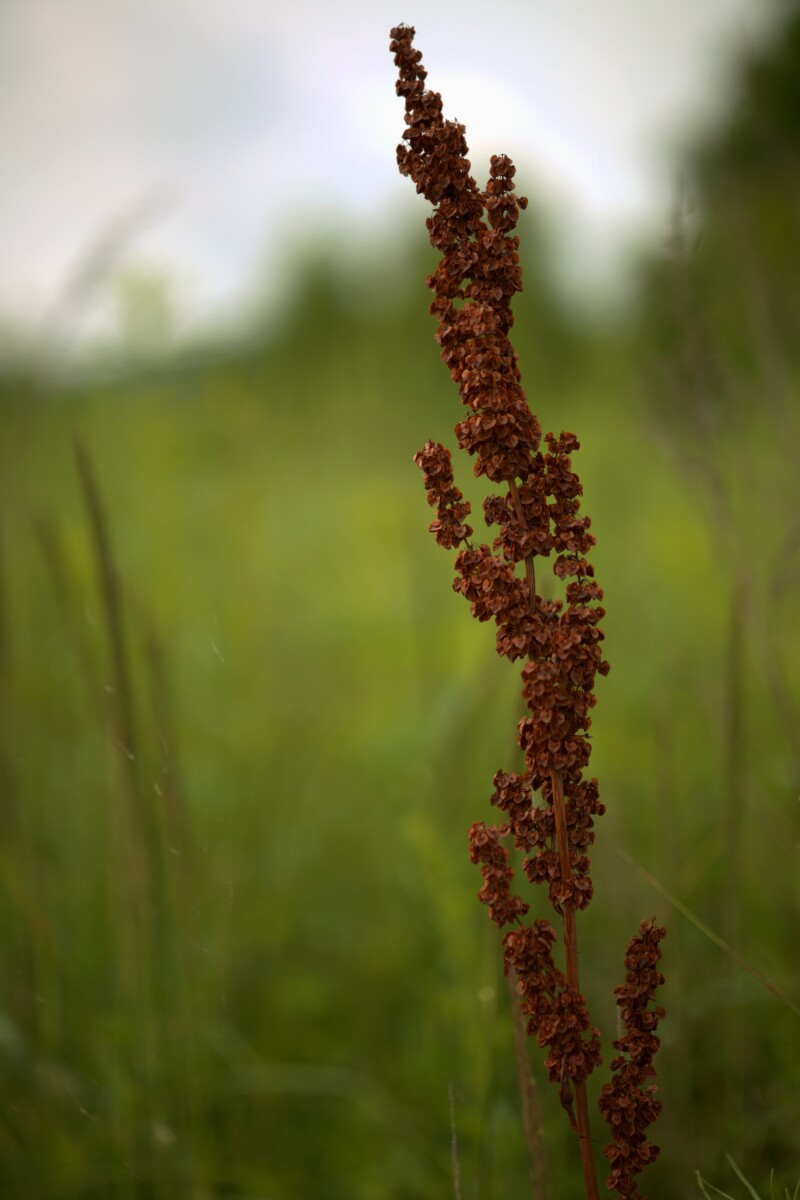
<point>536,512</point>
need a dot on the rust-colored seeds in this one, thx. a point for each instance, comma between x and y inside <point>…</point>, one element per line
<point>551,805</point>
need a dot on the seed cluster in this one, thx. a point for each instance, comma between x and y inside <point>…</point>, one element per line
<point>628,1103</point>
<point>477,276</point>
<point>536,514</point>
<point>451,507</point>
<point>557,1012</point>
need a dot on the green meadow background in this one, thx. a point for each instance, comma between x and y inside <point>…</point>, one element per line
<point>245,725</point>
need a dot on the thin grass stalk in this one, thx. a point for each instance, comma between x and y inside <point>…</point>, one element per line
<point>708,932</point>
<point>145,843</point>
<point>125,834</point>
<point>116,908</point>
<point>538,1168</point>
<point>135,846</point>
<point>50,545</point>
<point>121,691</point>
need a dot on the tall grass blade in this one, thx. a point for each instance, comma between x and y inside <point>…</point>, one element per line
<point>741,1177</point>
<point>50,544</point>
<point>709,933</point>
<point>703,1184</point>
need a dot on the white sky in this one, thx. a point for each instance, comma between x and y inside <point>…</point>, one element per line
<point>246,127</point>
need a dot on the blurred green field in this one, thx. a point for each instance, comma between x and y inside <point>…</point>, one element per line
<point>242,953</point>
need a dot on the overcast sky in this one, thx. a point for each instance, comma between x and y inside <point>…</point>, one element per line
<point>220,134</point>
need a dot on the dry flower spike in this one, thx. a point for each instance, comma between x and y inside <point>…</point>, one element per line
<point>537,515</point>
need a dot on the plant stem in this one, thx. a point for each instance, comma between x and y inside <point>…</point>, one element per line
<point>571,946</point>
<point>570,931</point>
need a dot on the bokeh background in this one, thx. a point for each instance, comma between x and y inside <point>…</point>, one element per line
<point>245,724</point>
